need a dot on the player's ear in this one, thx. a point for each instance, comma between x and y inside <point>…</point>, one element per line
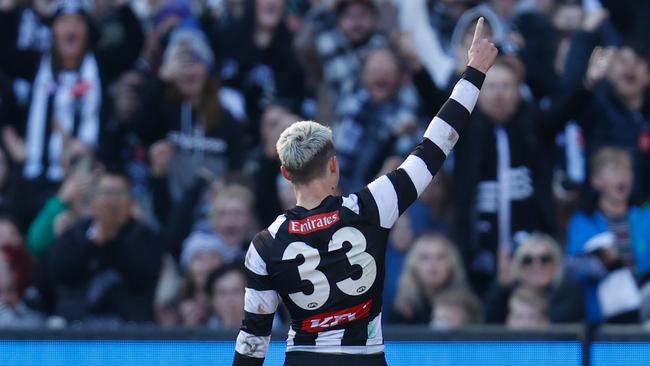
<point>333,164</point>
<point>285,173</point>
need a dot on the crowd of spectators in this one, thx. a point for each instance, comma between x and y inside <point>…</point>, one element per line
<point>137,154</point>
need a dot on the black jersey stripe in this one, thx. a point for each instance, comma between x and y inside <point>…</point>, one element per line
<point>369,207</point>
<point>406,192</point>
<point>356,334</point>
<point>258,282</point>
<point>258,324</point>
<point>474,76</point>
<point>241,360</point>
<point>454,114</point>
<point>431,154</point>
<point>303,338</point>
<point>261,240</point>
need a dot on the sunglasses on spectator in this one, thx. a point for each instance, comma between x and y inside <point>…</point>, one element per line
<point>527,260</point>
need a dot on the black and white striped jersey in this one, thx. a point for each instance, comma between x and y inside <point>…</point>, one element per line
<point>327,264</point>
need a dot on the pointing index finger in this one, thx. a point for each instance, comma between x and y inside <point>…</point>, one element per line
<point>478,31</point>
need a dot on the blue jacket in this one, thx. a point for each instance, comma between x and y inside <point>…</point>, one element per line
<point>583,227</point>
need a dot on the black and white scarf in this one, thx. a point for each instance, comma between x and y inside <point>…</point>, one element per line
<point>65,103</point>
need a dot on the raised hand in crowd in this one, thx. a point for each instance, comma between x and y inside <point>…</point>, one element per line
<point>592,19</point>
<point>599,62</point>
<point>160,154</point>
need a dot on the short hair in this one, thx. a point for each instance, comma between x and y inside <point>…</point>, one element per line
<point>237,191</point>
<point>343,5</point>
<point>530,297</point>
<point>464,300</point>
<point>538,238</point>
<point>304,149</point>
<point>608,155</point>
<point>218,273</point>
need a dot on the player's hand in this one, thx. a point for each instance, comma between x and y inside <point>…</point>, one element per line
<point>482,52</point>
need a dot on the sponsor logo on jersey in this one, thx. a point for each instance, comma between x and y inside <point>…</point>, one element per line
<point>326,321</point>
<point>314,223</point>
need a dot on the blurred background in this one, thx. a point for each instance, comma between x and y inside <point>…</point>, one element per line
<point>137,156</point>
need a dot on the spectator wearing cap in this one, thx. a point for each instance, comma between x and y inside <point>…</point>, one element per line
<point>259,64</point>
<point>68,84</point>
<point>181,120</point>
<point>608,236</point>
<point>106,268</point>
<point>202,254</point>
<point>537,264</point>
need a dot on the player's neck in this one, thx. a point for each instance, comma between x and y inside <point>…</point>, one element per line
<point>310,195</point>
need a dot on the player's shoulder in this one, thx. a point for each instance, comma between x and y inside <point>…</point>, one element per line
<point>264,238</point>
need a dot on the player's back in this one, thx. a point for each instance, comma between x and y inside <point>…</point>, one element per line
<point>327,265</point>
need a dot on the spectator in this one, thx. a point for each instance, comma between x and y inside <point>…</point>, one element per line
<point>609,210</point>
<point>431,266</point>
<point>14,279</point>
<point>70,204</point>
<point>380,119</point>
<point>68,86</point>
<point>226,289</point>
<point>527,309</point>
<point>105,268</point>
<point>263,165</point>
<point>202,254</point>
<point>259,63</point>
<point>537,264</point>
<point>182,121</point>
<point>340,51</point>
<point>455,309</point>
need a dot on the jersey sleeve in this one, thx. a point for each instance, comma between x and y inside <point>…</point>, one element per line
<point>390,195</point>
<point>260,304</point>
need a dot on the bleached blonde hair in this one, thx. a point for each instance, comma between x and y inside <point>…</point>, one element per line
<point>304,148</point>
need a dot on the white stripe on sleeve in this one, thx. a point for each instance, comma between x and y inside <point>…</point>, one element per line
<point>260,302</point>
<point>417,170</point>
<point>385,196</point>
<point>466,94</point>
<point>273,228</point>
<point>252,346</point>
<point>441,134</point>
<point>254,261</point>
<point>352,203</point>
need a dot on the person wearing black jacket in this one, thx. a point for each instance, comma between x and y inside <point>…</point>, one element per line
<point>106,268</point>
<point>502,186</point>
<point>67,88</point>
<point>182,121</point>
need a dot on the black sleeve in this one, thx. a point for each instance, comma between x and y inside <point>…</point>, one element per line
<point>69,256</point>
<point>115,59</point>
<point>181,220</point>
<point>13,61</point>
<point>138,256</point>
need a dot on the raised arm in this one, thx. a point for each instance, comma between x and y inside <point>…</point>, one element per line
<point>260,304</point>
<point>393,193</point>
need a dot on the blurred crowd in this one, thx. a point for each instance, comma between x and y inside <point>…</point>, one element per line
<point>138,154</point>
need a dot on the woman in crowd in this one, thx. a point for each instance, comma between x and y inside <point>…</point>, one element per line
<point>431,266</point>
<point>537,264</point>
<point>226,289</point>
<point>68,84</point>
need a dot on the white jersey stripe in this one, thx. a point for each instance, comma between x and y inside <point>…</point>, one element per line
<point>261,302</point>
<point>290,337</point>
<point>254,261</point>
<point>375,335</point>
<point>252,346</point>
<point>352,203</point>
<point>417,170</point>
<point>441,134</point>
<point>330,337</point>
<point>273,228</point>
<point>385,196</point>
<point>466,94</point>
<point>350,350</point>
